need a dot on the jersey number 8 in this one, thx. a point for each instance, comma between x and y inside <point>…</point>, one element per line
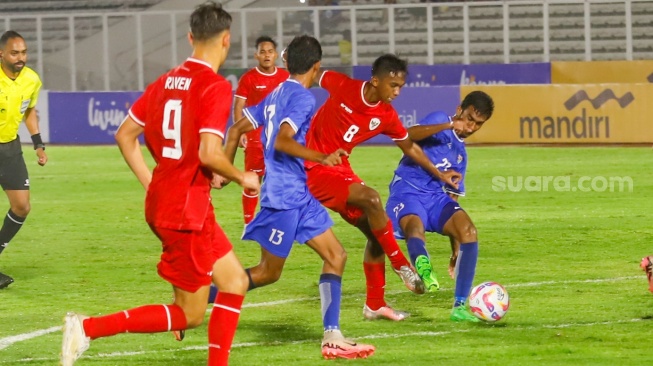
<point>349,135</point>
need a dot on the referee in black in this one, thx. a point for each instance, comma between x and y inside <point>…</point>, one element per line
<point>19,92</point>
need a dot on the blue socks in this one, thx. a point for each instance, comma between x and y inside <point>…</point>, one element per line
<point>416,247</point>
<point>466,268</point>
<point>213,293</point>
<point>330,293</point>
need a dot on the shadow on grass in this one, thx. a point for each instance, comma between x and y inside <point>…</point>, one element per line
<point>277,332</point>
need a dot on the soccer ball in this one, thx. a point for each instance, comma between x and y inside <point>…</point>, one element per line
<point>489,301</point>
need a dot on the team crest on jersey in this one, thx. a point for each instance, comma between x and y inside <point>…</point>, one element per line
<point>460,158</point>
<point>374,123</point>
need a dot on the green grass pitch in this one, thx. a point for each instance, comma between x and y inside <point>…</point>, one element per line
<point>567,248</point>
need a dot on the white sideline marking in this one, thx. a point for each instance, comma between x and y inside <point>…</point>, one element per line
<point>373,336</point>
<point>8,341</point>
<point>528,284</point>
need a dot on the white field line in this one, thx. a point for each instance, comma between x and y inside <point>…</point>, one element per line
<point>268,344</point>
<point>528,284</point>
<point>8,341</point>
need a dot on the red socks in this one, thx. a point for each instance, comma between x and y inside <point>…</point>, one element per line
<point>386,238</point>
<point>250,201</point>
<point>222,327</point>
<point>375,281</point>
<point>144,319</point>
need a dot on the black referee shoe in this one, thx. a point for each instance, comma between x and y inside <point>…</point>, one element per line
<point>5,280</point>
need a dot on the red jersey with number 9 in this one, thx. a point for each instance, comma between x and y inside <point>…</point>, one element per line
<point>174,110</point>
<point>346,119</point>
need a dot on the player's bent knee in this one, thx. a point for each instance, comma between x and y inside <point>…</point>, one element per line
<point>21,209</point>
<point>270,276</point>
<point>369,199</point>
<point>194,320</point>
<point>237,283</point>
<point>468,233</point>
<point>337,258</point>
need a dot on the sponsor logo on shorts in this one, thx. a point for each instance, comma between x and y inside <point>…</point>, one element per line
<point>26,183</point>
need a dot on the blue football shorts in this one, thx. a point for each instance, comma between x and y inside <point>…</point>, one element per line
<point>433,208</point>
<point>277,230</point>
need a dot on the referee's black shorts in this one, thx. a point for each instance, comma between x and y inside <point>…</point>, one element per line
<point>13,171</point>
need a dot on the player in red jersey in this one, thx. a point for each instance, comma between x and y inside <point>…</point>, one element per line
<point>647,265</point>
<point>253,86</point>
<point>183,116</point>
<point>355,112</point>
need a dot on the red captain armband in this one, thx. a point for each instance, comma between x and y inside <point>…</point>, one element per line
<point>37,141</point>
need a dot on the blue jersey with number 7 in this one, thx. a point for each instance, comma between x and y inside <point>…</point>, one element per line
<point>284,184</point>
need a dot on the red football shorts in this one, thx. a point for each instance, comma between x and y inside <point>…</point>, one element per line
<point>254,161</point>
<point>330,185</point>
<point>188,256</point>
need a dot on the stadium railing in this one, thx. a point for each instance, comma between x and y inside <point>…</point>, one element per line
<point>115,50</point>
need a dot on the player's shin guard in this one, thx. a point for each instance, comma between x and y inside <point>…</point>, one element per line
<point>250,201</point>
<point>465,270</point>
<point>375,285</point>
<point>330,294</point>
<point>386,239</point>
<point>222,327</point>
<point>144,319</point>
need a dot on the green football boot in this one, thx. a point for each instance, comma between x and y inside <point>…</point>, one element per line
<point>426,273</point>
<point>461,314</point>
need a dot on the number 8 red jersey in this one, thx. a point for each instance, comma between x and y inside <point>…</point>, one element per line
<point>346,119</point>
<point>186,101</point>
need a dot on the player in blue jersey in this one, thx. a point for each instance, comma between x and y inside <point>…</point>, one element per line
<point>419,203</point>
<point>289,212</point>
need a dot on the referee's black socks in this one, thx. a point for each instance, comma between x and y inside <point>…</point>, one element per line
<point>10,227</point>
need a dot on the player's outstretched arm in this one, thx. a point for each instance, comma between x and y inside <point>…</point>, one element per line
<point>420,132</point>
<point>287,144</point>
<point>415,152</point>
<point>241,126</point>
<point>130,148</point>
<point>213,157</point>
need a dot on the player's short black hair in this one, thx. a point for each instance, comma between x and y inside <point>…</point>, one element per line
<point>302,53</point>
<point>6,36</point>
<point>389,63</point>
<point>482,102</point>
<point>208,20</point>
<point>263,39</point>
